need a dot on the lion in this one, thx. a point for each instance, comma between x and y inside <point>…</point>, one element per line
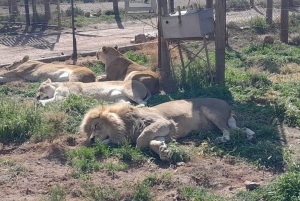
<point>36,71</point>
<point>114,91</point>
<point>153,127</point>
<point>118,67</point>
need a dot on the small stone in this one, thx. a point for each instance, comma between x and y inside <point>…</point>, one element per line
<point>251,185</point>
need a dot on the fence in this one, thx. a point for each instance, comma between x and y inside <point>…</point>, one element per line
<point>240,15</point>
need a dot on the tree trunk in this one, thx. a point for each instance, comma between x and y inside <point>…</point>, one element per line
<point>47,11</point>
<point>284,24</point>
<point>34,12</point>
<point>209,3</point>
<point>116,7</point>
<point>269,11</point>
<point>13,7</point>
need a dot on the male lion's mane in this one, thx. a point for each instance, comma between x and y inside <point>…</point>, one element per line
<point>121,121</point>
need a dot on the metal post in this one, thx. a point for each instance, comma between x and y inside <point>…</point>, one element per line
<point>269,11</point>
<point>74,55</point>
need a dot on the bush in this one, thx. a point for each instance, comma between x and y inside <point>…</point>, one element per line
<point>77,12</point>
<point>238,5</point>
<point>259,25</point>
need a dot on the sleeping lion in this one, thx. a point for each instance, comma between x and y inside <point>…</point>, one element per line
<point>36,71</point>
<point>153,127</point>
<point>114,91</point>
<point>118,67</point>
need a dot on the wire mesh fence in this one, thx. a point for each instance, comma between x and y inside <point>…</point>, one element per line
<point>240,15</point>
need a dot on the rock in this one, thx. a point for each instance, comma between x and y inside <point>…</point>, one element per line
<point>268,40</point>
<point>141,38</point>
<point>251,185</point>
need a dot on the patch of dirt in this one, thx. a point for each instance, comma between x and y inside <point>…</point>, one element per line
<point>44,166</point>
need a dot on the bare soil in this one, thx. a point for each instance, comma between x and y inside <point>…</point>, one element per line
<point>46,166</point>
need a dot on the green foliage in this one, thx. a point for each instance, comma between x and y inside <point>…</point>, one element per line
<point>141,192</point>
<point>141,59</point>
<point>178,153</point>
<point>102,193</point>
<point>57,193</point>
<point>77,12</point>
<point>259,25</point>
<point>126,152</point>
<point>19,121</point>
<point>238,5</point>
<point>198,193</point>
<point>158,179</point>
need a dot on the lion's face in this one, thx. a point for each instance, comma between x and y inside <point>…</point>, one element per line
<point>103,125</point>
<point>46,90</point>
<point>106,52</point>
<point>16,64</point>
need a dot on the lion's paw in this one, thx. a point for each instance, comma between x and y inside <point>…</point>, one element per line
<point>222,140</point>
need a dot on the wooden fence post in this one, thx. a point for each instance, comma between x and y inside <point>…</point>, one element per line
<point>284,21</point>
<point>269,15</point>
<point>220,40</point>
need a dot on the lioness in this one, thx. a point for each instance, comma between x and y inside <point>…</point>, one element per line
<point>118,67</point>
<point>153,127</point>
<point>36,71</point>
<point>115,91</point>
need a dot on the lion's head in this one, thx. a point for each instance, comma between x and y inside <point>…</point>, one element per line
<point>17,63</point>
<point>107,52</point>
<point>106,123</point>
<point>46,90</point>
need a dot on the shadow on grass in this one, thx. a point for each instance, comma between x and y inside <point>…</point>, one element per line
<point>265,152</point>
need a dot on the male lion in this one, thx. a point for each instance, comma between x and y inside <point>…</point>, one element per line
<point>153,127</point>
<point>118,67</point>
<point>115,91</point>
<point>36,71</point>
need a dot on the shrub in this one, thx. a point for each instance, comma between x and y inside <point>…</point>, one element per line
<point>259,25</point>
<point>77,12</point>
<point>238,4</point>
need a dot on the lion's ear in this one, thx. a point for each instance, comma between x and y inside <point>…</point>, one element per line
<point>25,58</point>
<point>48,80</point>
<point>104,49</point>
<point>116,47</point>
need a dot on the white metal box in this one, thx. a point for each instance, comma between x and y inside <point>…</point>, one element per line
<point>190,24</point>
<point>140,7</point>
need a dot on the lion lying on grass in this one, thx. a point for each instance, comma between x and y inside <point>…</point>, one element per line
<point>153,127</point>
<point>36,71</point>
<point>115,91</point>
<point>118,67</point>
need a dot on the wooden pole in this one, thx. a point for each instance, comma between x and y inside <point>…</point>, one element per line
<point>74,55</point>
<point>58,14</point>
<point>220,40</point>
<point>167,82</point>
<point>269,16</point>
<point>284,25</point>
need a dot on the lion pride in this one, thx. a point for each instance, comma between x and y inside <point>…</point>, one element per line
<point>118,67</point>
<point>153,127</point>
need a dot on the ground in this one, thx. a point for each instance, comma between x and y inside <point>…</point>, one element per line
<point>44,166</point>
<point>29,170</point>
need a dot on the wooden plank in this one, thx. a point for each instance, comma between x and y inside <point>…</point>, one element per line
<point>220,40</point>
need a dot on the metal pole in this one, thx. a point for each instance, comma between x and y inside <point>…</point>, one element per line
<point>74,55</point>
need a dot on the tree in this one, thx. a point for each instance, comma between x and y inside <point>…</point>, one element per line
<point>13,7</point>
<point>47,10</point>
<point>116,7</point>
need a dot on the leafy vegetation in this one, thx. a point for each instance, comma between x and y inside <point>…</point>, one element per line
<point>261,87</point>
